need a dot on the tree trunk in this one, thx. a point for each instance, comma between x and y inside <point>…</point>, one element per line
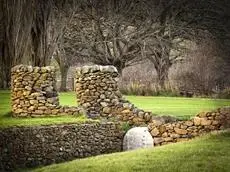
<point>5,78</point>
<point>6,65</point>
<point>162,65</point>
<point>120,66</point>
<point>119,69</point>
<point>1,73</point>
<point>64,72</point>
<point>2,80</point>
<point>162,76</point>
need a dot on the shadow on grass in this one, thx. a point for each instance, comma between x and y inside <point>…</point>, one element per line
<point>8,115</point>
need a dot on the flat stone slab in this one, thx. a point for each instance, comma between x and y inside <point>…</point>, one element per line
<point>138,137</point>
<point>95,68</point>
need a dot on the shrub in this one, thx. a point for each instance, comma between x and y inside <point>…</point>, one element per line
<point>224,94</point>
<point>125,126</point>
<point>147,89</point>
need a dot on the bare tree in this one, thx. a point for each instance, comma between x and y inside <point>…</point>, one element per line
<point>171,33</point>
<point>30,31</point>
<point>49,24</point>
<point>64,64</point>
<point>181,20</point>
<point>65,53</point>
<point>122,33</point>
<point>17,21</point>
<point>65,58</point>
<point>110,32</point>
<point>203,72</point>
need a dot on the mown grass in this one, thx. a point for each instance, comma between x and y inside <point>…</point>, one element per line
<point>179,107</point>
<point>209,153</point>
<point>6,120</point>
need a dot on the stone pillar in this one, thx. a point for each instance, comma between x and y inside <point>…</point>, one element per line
<point>34,93</point>
<point>98,93</point>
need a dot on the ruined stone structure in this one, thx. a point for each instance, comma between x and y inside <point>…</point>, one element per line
<point>204,122</point>
<point>98,93</point>
<point>33,92</point>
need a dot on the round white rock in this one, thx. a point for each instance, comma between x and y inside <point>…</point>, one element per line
<point>138,137</point>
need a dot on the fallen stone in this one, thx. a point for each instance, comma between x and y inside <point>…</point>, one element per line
<point>189,123</point>
<point>155,132</point>
<point>125,111</point>
<point>165,134</point>
<point>162,129</point>
<point>168,139</point>
<point>205,121</point>
<point>173,135</point>
<point>39,112</point>
<point>158,140</point>
<point>180,131</point>
<point>203,114</point>
<point>197,120</point>
<point>215,122</point>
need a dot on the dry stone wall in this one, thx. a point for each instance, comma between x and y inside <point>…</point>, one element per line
<point>22,147</point>
<point>34,93</point>
<point>164,133</point>
<point>98,93</point>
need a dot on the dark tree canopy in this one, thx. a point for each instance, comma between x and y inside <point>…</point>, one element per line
<point>109,31</point>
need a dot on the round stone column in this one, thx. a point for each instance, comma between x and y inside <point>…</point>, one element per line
<point>97,90</point>
<point>98,93</point>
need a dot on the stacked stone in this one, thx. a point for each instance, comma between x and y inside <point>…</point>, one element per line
<point>98,93</point>
<point>34,93</point>
<point>184,130</point>
<point>22,147</point>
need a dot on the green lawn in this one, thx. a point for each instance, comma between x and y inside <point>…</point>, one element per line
<point>180,107</point>
<point>175,106</point>
<point>209,153</point>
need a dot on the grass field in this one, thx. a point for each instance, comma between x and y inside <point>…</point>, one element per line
<point>206,154</point>
<point>176,106</point>
<point>179,107</point>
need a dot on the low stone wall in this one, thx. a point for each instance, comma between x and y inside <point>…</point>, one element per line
<point>34,93</point>
<point>33,146</point>
<point>184,130</point>
<point>98,93</point>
